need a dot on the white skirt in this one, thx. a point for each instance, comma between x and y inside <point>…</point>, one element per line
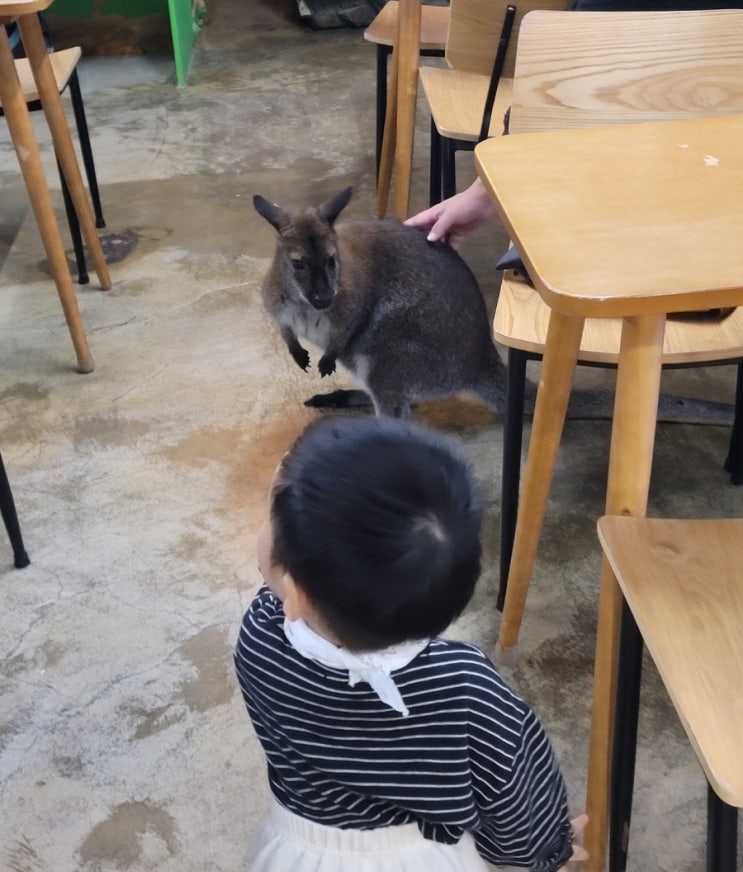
<point>289,843</point>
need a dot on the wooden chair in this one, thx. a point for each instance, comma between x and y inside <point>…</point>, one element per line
<point>10,519</point>
<point>382,32</point>
<point>683,597</point>
<point>64,66</point>
<point>469,99</point>
<point>582,69</point>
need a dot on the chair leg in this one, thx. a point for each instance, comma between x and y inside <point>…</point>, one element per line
<point>383,53</point>
<point>722,834</point>
<point>513,429</point>
<point>85,149</point>
<point>734,461</point>
<point>627,706</point>
<point>434,180</point>
<point>448,168</point>
<point>75,234</point>
<point>10,518</point>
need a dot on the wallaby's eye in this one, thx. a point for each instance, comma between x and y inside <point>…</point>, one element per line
<point>297,264</point>
<point>331,262</point>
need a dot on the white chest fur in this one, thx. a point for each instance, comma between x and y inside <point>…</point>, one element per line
<point>307,323</point>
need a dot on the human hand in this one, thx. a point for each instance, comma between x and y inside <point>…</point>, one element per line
<point>579,852</point>
<point>453,219</point>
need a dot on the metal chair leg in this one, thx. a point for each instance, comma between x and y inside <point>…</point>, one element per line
<point>87,152</point>
<point>448,167</point>
<point>734,461</point>
<point>627,707</point>
<point>722,834</point>
<point>383,53</point>
<point>75,233</point>
<point>10,518</point>
<point>513,429</point>
<point>434,168</point>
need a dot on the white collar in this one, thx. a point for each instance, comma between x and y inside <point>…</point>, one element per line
<point>373,667</point>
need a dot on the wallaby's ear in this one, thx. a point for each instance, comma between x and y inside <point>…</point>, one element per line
<point>332,209</point>
<point>271,212</point>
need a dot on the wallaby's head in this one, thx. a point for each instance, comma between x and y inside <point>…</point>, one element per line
<point>307,247</point>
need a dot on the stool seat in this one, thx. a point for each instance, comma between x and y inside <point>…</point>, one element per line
<point>63,66</point>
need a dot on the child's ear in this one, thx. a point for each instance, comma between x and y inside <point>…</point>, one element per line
<point>296,603</point>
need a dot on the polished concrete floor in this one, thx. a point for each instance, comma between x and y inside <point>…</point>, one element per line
<point>124,744</point>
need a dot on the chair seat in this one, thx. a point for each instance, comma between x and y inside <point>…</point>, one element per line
<point>63,65</point>
<point>434,26</point>
<point>522,317</point>
<point>456,99</point>
<point>682,582</point>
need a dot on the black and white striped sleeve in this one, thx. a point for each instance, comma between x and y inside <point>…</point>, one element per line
<point>518,787</point>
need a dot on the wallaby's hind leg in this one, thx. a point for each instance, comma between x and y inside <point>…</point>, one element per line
<point>340,399</point>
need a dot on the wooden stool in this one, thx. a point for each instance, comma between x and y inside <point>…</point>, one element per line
<point>24,141</point>
<point>683,597</point>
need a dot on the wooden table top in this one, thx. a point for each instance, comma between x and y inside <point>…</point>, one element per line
<point>626,219</point>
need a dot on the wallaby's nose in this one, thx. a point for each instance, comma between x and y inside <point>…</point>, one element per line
<point>322,293</point>
<point>322,300</point>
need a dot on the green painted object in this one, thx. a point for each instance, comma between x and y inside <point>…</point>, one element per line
<point>127,8</point>
<point>186,18</point>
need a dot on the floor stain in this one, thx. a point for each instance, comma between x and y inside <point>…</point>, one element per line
<point>214,685</point>
<point>117,839</point>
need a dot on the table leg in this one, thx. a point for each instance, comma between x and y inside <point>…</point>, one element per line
<point>555,383</point>
<point>630,461</point>
<point>399,128</point>
<point>24,142</point>
<point>51,103</point>
<point>407,94</point>
<point>389,138</point>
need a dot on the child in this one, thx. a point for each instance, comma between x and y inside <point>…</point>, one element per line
<point>388,748</point>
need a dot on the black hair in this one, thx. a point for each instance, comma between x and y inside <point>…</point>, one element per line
<point>378,522</point>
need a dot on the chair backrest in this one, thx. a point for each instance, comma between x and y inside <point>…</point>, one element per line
<point>587,69</point>
<point>475,29</point>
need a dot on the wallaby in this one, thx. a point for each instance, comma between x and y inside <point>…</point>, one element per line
<point>404,316</point>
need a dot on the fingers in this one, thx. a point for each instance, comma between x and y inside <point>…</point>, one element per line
<point>427,218</point>
<point>579,824</point>
<point>579,852</point>
<point>439,230</point>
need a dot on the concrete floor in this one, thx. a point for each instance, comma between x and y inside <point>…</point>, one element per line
<point>124,744</point>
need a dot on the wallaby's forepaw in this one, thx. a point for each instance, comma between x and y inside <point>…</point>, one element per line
<point>302,357</point>
<point>326,365</point>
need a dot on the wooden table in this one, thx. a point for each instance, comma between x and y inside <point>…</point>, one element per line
<point>399,125</point>
<point>630,221</point>
<point>24,141</point>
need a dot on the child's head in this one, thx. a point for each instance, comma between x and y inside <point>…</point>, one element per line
<point>377,523</point>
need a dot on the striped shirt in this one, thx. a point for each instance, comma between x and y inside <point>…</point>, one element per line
<point>470,756</point>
